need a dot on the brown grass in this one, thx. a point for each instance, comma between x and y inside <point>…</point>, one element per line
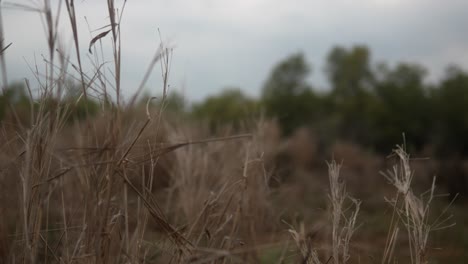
<point>130,186</point>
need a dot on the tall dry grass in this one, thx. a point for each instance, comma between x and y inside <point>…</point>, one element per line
<point>105,190</point>
<point>412,211</point>
<point>131,186</point>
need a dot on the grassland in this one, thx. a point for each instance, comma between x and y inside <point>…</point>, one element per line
<point>134,183</point>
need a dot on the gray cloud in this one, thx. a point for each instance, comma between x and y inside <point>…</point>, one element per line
<point>235,43</point>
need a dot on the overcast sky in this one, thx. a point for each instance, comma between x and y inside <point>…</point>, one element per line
<point>221,43</point>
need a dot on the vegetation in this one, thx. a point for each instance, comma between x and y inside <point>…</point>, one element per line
<point>230,107</point>
<point>369,106</point>
<point>87,177</point>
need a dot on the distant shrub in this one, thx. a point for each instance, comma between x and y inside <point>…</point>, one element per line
<point>230,107</point>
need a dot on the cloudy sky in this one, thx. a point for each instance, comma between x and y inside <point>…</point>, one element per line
<point>221,43</point>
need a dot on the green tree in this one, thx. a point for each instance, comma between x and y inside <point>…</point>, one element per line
<point>402,106</point>
<point>76,106</point>
<point>286,94</point>
<point>176,103</point>
<point>230,107</point>
<point>351,79</point>
<point>288,78</point>
<point>14,96</point>
<point>451,117</point>
<point>349,71</point>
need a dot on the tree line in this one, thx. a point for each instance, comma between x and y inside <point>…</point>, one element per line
<point>372,105</point>
<point>368,104</point>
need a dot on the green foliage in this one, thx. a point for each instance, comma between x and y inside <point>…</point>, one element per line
<point>349,71</point>
<point>176,103</point>
<point>402,106</point>
<point>15,98</point>
<point>288,78</point>
<point>372,106</point>
<point>351,78</point>
<point>77,107</point>
<point>79,110</point>
<point>229,107</point>
<point>451,115</point>
<point>286,94</point>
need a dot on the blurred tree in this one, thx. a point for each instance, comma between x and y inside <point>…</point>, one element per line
<point>76,107</point>
<point>402,106</point>
<point>451,115</point>
<point>176,102</point>
<point>286,94</point>
<point>351,78</point>
<point>451,130</point>
<point>229,107</point>
<point>15,96</point>
<point>288,78</point>
<point>349,71</point>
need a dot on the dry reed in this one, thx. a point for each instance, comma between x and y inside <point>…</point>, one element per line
<point>129,186</point>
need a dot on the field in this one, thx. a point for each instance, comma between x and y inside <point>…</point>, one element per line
<point>117,181</point>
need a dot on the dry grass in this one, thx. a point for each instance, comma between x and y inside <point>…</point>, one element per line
<point>412,211</point>
<point>343,223</point>
<point>129,186</point>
